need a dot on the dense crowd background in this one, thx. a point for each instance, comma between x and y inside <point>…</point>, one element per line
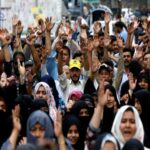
<point>82,89</point>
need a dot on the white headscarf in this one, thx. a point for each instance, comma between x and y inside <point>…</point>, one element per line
<point>116,125</point>
<point>50,101</point>
<point>109,137</point>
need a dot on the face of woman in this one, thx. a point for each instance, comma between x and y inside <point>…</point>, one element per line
<point>111,100</point>
<point>104,75</point>
<point>138,106</point>
<point>128,125</point>
<point>41,93</point>
<point>38,131</point>
<point>73,134</point>
<point>109,146</point>
<point>83,112</point>
<point>143,84</point>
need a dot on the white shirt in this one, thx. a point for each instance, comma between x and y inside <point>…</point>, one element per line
<point>68,86</point>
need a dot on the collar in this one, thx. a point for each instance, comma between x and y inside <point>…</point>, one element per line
<point>71,82</point>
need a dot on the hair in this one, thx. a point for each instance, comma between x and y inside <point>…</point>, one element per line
<point>120,24</point>
<point>101,34</point>
<point>66,48</point>
<point>113,38</point>
<point>77,54</point>
<point>128,50</point>
<point>146,54</point>
<point>18,53</point>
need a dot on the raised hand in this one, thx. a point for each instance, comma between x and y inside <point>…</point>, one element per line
<point>19,28</point>
<point>131,28</point>
<point>102,94</point>
<point>17,42</point>
<point>97,27</point>
<point>139,52</point>
<point>107,42</point>
<point>58,124</point>
<point>3,80</point>
<point>90,45</point>
<point>132,81</point>
<point>58,45</point>
<point>120,42</point>
<point>16,119</point>
<point>107,17</point>
<point>42,25</point>
<point>21,68</point>
<point>30,40</point>
<point>15,20</point>
<point>96,42</point>
<point>49,24</point>
<point>5,36</point>
<point>83,32</point>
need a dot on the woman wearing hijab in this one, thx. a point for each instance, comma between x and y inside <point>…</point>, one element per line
<point>40,104</point>
<point>133,144</point>
<point>110,109</point>
<point>43,91</point>
<point>71,130</point>
<point>127,125</point>
<point>74,96</point>
<point>106,141</point>
<point>26,147</point>
<point>143,81</point>
<point>142,104</point>
<point>39,126</point>
<point>50,81</point>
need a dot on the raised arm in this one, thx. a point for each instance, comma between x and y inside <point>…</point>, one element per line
<point>131,29</point>
<point>11,142</point>
<point>58,131</point>
<point>49,26</point>
<point>30,41</point>
<point>98,112</point>
<point>107,20</point>
<point>5,39</point>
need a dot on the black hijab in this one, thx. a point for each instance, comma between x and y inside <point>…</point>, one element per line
<point>143,97</point>
<point>68,121</point>
<point>133,144</point>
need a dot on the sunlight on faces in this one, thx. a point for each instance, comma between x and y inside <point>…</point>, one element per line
<point>73,134</point>
<point>41,93</point>
<point>38,131</point>
<point>128,125</point>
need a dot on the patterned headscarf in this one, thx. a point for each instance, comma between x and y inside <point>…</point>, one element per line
<point>50,100</point>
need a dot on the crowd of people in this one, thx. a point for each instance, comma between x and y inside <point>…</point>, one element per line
<point>83,90</point>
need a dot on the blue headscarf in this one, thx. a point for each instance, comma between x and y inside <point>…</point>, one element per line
<point>44,120</point>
